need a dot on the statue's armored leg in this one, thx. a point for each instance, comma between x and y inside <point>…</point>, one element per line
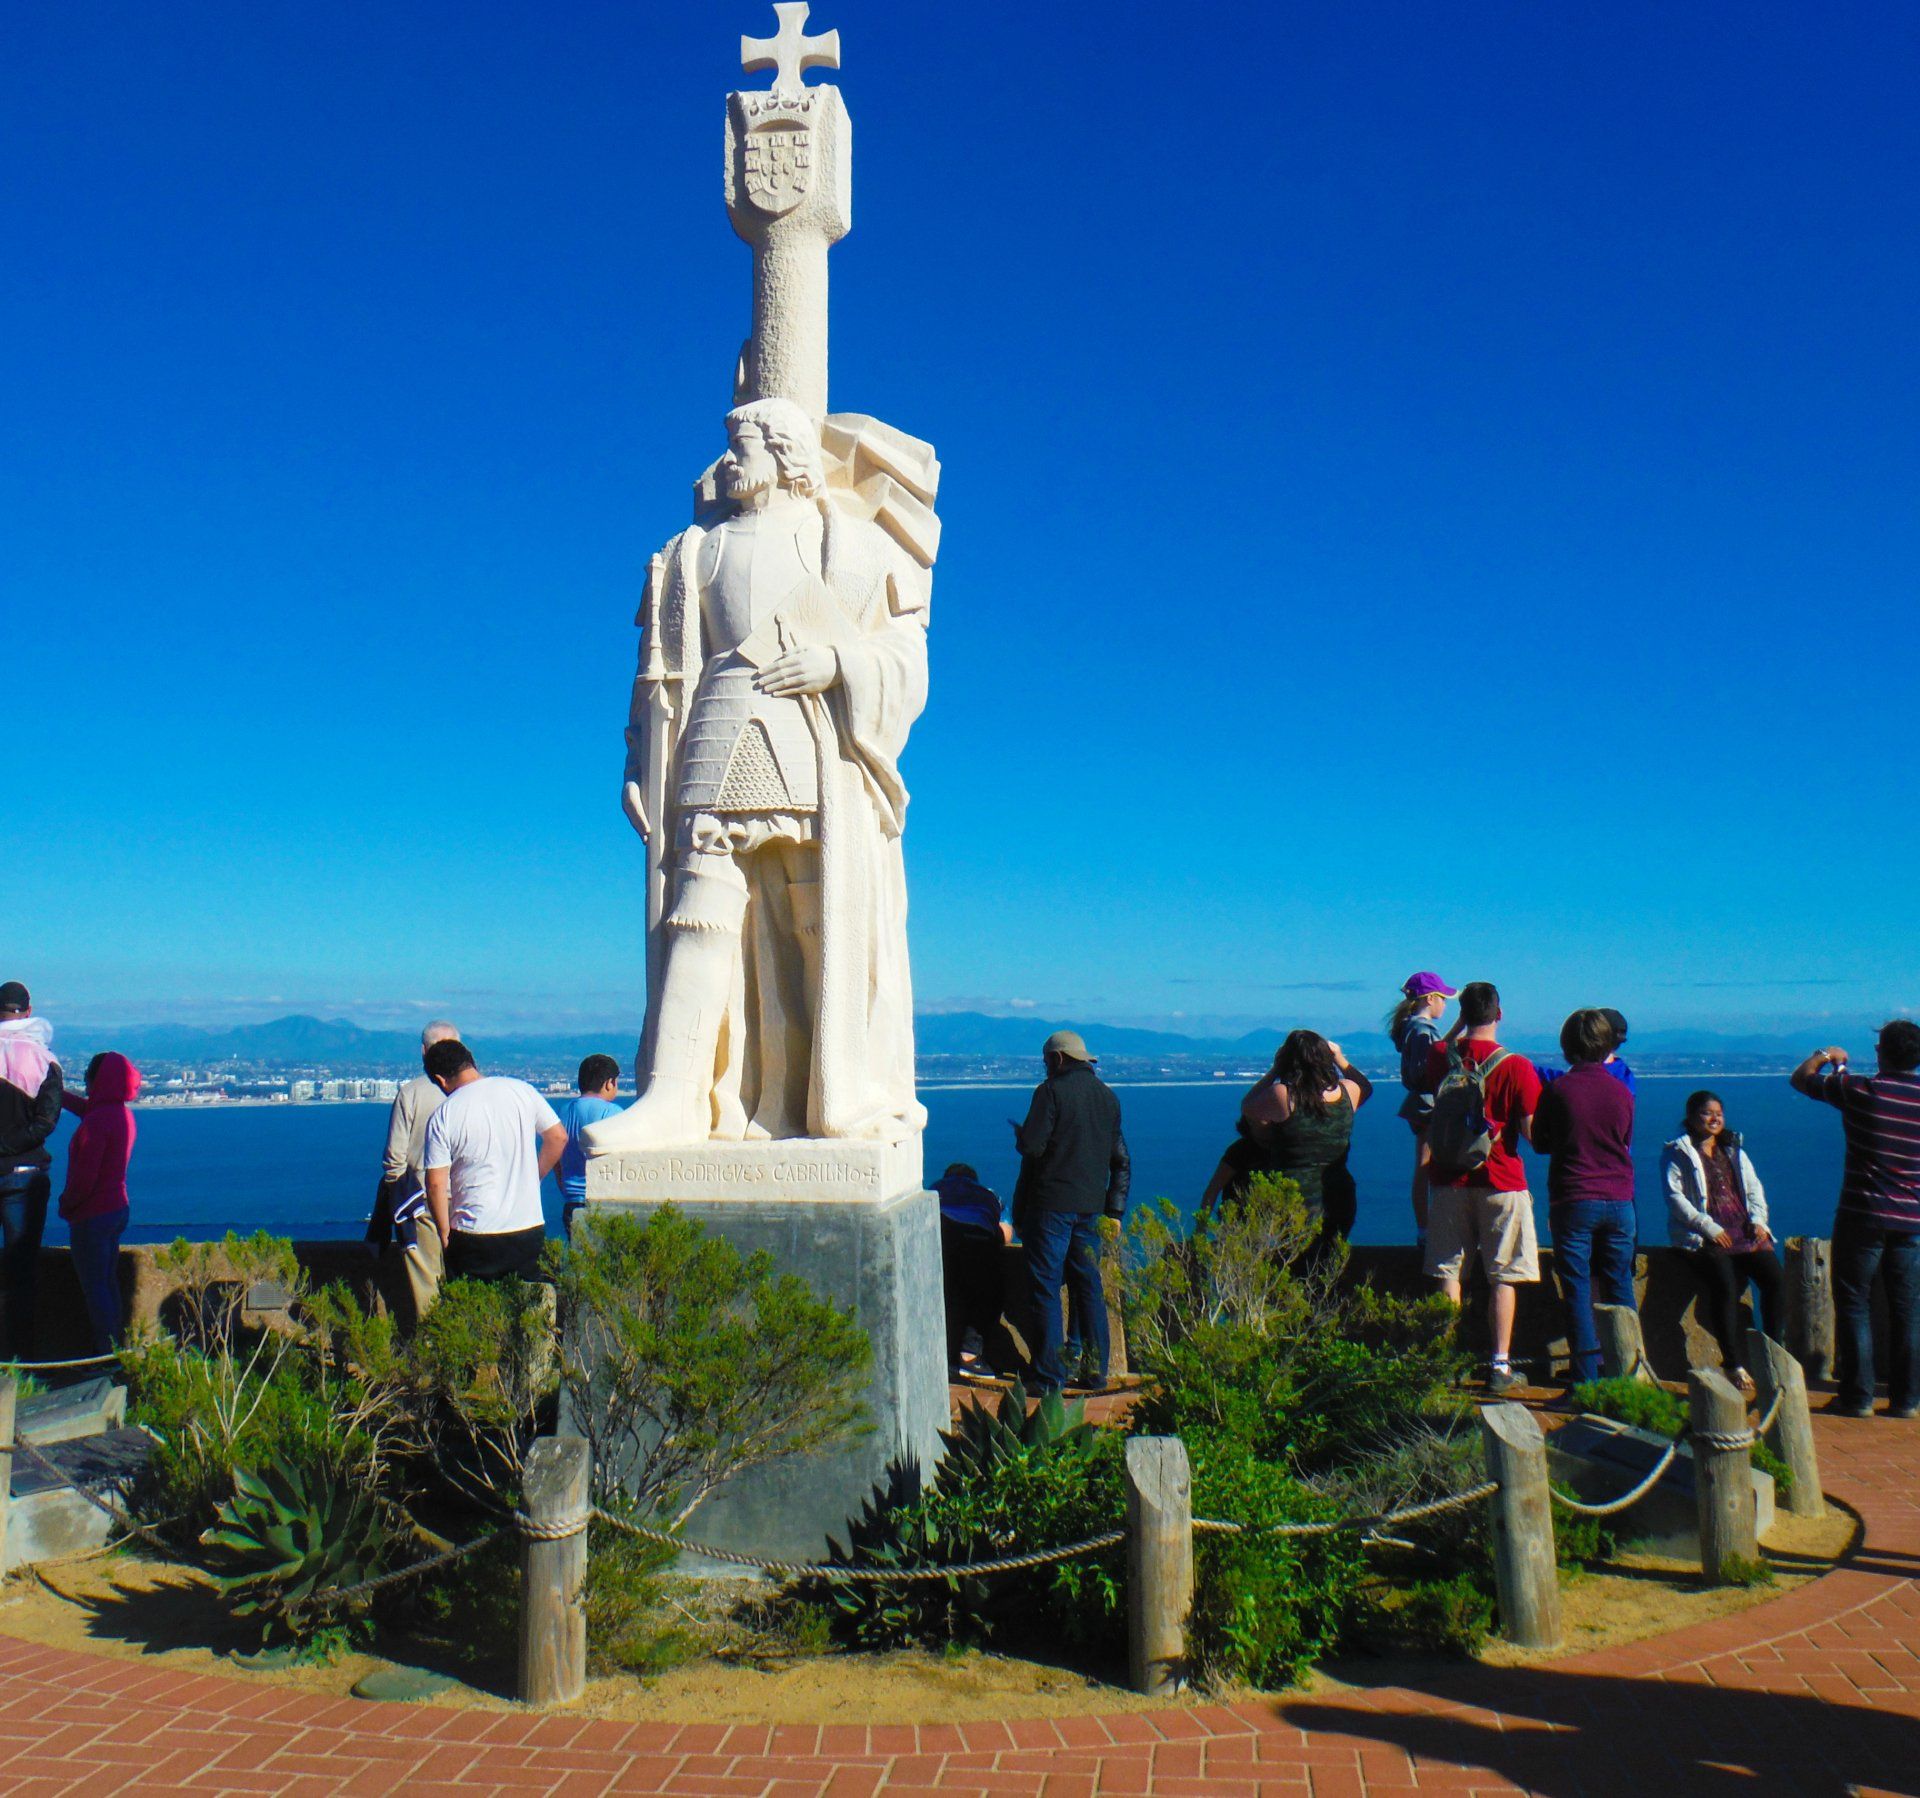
<point>675,1107</point>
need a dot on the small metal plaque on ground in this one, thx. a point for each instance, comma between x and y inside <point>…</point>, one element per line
<point>1597,1459</point>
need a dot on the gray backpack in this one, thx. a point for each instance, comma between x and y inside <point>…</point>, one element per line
<point>1458,1133</point>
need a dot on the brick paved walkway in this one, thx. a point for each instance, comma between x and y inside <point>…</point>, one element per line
<point>1814,1693</point>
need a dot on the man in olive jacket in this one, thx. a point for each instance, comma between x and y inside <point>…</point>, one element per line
<point>1073,1170</point>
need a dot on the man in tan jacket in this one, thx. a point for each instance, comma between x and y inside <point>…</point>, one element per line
<point>401,1203</point>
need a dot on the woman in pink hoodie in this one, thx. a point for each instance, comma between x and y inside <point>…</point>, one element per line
<point>95,1200</point>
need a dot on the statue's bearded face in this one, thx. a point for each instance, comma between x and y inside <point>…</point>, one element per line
<point>749,473</point>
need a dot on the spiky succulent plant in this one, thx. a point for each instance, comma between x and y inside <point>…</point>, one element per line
<point>291,1538</point>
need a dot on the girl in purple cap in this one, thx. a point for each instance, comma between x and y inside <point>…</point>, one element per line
<point>1414,1025</point>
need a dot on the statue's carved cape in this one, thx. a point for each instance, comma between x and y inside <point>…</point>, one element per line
<point>867,598</point>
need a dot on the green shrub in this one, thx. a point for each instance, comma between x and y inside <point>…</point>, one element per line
<point>1009,1482</point>
<point>210,1413</point>
<point>1300,1395</point>
<point>1769,1463</point>
<point>1265,1606</point>
<point>1249,1335</point>
<point>1245,1266</point>
<point>1737,1570</point>
<point>1582,1541</point>
<point>633,1624</point>
<point>1427,1459</point>
<point>1433,1616</point>
<point>687,1363</point>
<point>1633,1402</point>
<point>482,1374</point>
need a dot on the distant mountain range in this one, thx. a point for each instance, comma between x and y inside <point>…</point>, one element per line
<point>307,1042</point>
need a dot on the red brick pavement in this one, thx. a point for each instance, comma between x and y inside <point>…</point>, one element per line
<point>1817,1692</point>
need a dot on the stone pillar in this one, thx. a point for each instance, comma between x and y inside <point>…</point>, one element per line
<point>790,195</point>
<point>851,1219</point>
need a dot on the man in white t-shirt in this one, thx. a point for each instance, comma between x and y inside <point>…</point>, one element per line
<point>489,1146</point>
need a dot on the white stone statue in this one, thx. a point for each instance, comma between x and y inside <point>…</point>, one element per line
<point>782,666</point>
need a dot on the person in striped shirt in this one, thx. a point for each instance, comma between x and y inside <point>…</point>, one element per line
<point>1876,1231</point>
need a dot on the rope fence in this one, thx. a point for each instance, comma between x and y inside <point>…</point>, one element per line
<point>19,1367</point>
<point>841,1575</point>
<point>1627,1500</point>
<point>334,1595</point>
<point>557,1512</point>
<point>562,1528</point>
<point>1370,1526</point>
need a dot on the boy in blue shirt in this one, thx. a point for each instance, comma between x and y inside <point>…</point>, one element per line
<point>1613,1064</point>
<point>599,1083</point>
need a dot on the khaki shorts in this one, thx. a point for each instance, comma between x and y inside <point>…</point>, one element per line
<point>1498,1226</point>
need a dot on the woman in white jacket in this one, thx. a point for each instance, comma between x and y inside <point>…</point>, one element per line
<point>1717,1212</point>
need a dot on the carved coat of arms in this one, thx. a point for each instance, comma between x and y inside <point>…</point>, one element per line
<point>778,166</point>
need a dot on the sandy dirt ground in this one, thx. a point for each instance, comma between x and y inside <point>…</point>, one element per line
<point>135,1608</point>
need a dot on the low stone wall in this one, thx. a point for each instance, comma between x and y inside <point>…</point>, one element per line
<point>145,1288</point>
<point>1675,1339</point>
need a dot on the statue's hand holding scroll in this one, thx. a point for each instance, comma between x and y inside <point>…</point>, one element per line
<point>810,670</point>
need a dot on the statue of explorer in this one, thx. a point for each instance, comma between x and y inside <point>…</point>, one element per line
<point>783,662</point>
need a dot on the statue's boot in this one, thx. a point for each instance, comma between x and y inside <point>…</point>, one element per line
<point>675,1106</point>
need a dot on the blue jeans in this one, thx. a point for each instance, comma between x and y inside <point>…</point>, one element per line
<point>1063,1249</point>
<point>23,1221</point>
<point>1592,1244</point>
<point>1860,1251</point>
<point>96,1265</point>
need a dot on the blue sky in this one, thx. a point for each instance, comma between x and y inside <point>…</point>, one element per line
<point>1425,486</point>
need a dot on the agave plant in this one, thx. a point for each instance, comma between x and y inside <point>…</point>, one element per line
<point>899,1526</point>
<point>294,1536</point>
<point>981,1439</point>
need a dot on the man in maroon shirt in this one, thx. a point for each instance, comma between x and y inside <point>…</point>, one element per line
<point>1585,1122</point>
<point>1484,1207</point>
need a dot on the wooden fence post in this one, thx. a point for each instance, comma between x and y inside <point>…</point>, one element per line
<point>1623,1350</point>
<point>553,1620</point>
<point>1722,1476</point>
<point>1525,1578</point>
<point>1159,1562</point>
<point>1810,1304</point>
<point>1775,1371</point>
<point>9,1388</point>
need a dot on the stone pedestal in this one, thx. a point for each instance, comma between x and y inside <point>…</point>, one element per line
<point>823,1210</point>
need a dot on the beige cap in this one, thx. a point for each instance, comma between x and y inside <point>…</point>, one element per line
<point>1069,1043</point>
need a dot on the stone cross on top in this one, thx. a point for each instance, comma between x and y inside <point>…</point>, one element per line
<point>790,51</point>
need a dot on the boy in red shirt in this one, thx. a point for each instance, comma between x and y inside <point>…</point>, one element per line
<point>1478,1202</point>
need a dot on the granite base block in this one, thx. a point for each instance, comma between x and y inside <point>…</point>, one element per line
<point>882,1258</point>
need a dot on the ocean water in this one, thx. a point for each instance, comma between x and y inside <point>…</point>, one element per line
<point>310,1170</point>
